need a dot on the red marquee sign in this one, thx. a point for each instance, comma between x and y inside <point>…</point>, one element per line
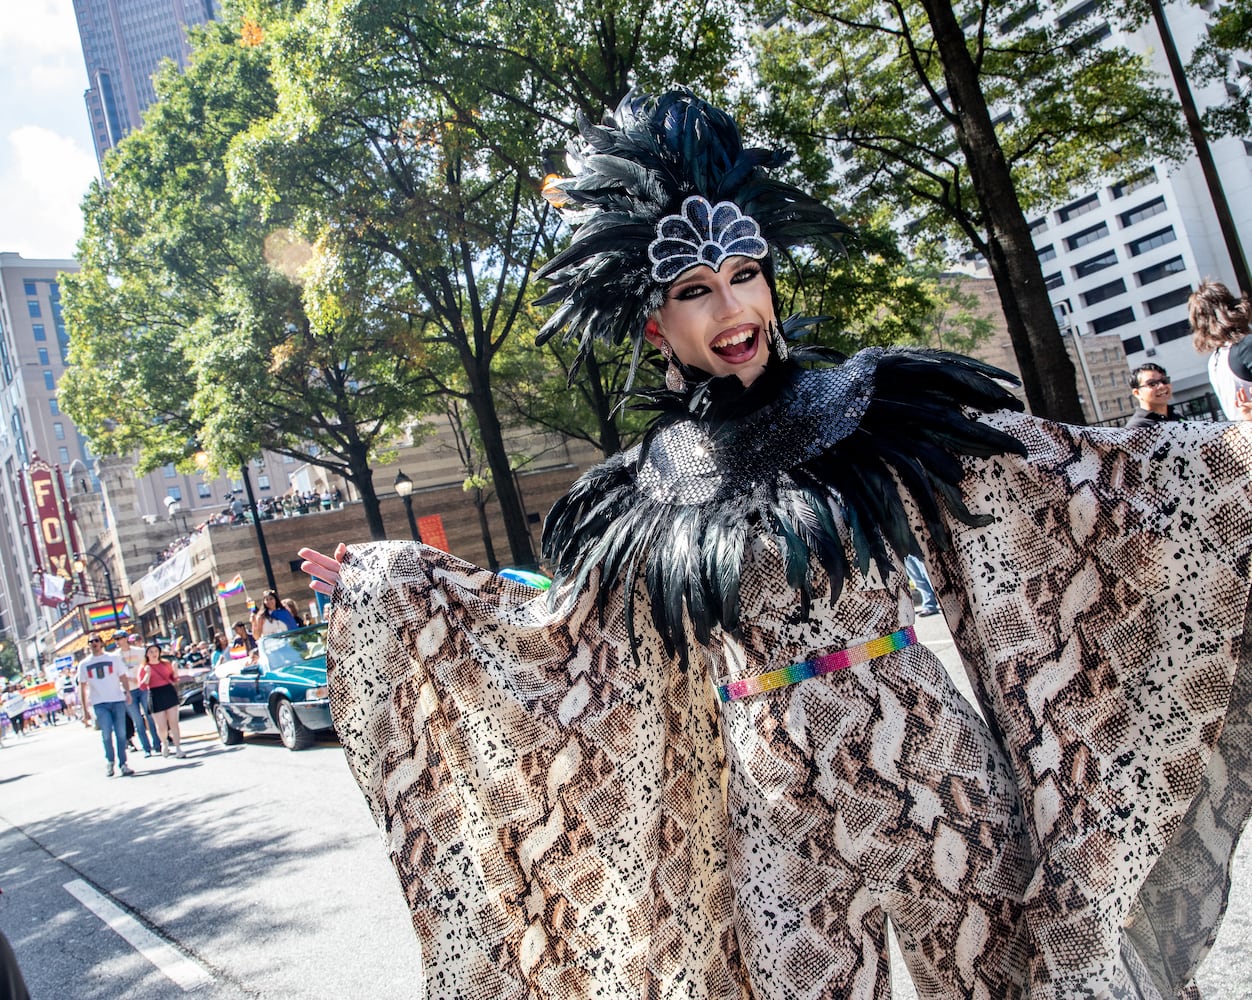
<point>50,521</point>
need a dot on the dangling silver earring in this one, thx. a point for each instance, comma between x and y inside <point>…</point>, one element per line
<point>674,380</point>
<point>778,341</point>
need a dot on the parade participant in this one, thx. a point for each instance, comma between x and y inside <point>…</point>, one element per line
<point>14,704</point>
<point>271,616</point>
<point>139,708</point>
<point>1219,324</point>
<point>221,649</point>
<point>242,641</point>
<point>105,691</point>
<point>714,759</point>
<point>160,677</point>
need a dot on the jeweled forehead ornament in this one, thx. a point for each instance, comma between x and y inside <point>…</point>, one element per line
<point>703,233</point>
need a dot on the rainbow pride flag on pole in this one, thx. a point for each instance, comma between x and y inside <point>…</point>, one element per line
<point>103,615</point>
<point>231,588</point>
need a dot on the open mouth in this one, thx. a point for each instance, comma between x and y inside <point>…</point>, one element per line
<point>738,346</point>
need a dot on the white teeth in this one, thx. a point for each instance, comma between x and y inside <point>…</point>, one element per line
<point>731,341</point>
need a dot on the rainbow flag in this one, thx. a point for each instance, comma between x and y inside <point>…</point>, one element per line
<point>36,693</point>
<point>231,588</point>
<point>102,615</point>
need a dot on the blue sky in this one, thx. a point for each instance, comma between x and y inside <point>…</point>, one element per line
<point>46,156</point>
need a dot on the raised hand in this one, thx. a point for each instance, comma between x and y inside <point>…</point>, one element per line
<point>323,570</point>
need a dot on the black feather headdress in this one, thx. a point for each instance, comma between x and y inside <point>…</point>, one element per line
<point>638,167</point>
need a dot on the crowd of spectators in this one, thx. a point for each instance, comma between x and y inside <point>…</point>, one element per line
<point>294,503</point>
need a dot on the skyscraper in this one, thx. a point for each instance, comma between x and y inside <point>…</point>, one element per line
<point>124,41</point>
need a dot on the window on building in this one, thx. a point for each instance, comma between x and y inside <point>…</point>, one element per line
<point>1097,263</point>
<point>1038,226</point>
<point>202,595</point>
<point>1018,17</point>
<point>43,356</point>
<point>58,431</point>
<point>1158,271</point>
<point>1132,345</point>
<point>1080,207</point>
<point>174,493</point>
<point>1169,300</point>
<point>1172,331</point>
<point>1072,17</point>
<point>1134,183</point>
<point>263,482</point>
<point>1145,211</point>
<point>49,382</point>
<point>1151,241</point>
<point>38,331</point>
<point>63,455</point>
<point>1103,292</point>
<point>29,288</point>
<point>1096,232</point>
<point>1051,281</point>
<point>289,460</point>
<point>1046,253</point>
<point>32,308</point>
<point>169,471</point>
<point>1091,39</point>
<point>54,407</point>
<point>1113,320</point>
<point>204,491</point>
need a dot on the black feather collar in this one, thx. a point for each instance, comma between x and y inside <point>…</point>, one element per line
<point>788,458</point>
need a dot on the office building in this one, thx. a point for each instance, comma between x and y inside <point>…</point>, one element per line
<point>124,42</point>
<point>1124,257</point>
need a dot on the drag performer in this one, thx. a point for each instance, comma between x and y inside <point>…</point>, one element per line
<point>714,759</point>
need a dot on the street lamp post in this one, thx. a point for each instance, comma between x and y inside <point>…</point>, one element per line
<point>80,565</point>
<point>404,487</point>
<point>260,533</point>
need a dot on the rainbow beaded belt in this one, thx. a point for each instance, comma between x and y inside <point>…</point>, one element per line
<point>827,664</point>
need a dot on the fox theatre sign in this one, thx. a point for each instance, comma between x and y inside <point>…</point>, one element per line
<point>52,530</point>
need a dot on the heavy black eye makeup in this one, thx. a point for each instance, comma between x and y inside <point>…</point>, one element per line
<point>695,289</point>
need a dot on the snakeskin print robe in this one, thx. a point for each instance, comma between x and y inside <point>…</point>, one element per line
<point>570,821</point>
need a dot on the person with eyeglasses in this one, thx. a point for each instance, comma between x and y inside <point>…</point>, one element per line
<point>106,691</point>
<point>1149,384</point>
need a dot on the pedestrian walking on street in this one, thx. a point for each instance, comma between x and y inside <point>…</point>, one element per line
<point>139,708</point>
<point>15,709</point>
<point>105,692</point>
<point>161,679</point>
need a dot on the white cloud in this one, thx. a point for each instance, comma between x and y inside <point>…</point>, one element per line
<point>38,28</point>
<point>44,179</point>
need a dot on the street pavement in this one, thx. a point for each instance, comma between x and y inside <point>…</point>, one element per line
<point>253,872</point>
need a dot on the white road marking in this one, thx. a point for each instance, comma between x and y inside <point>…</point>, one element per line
<point>170,962</point>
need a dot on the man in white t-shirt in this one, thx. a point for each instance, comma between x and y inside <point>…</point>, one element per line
<point>139,709</point>
<point>106,691</point>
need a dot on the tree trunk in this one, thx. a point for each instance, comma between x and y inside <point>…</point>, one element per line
<point>1221,207</point>
<point>484,526</point>
<point>520,548</point>
<point>610,440</point>
<point>1047,372</point>
<point>362,477</point>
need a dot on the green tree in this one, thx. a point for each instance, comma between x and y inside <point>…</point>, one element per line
<point>189,327</point>
<point>960,117</point>
<point>1222,55</point>
<point>10,662</point>
<point>416,137</point>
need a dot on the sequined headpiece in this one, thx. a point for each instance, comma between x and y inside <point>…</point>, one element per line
<point>663,184</point>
